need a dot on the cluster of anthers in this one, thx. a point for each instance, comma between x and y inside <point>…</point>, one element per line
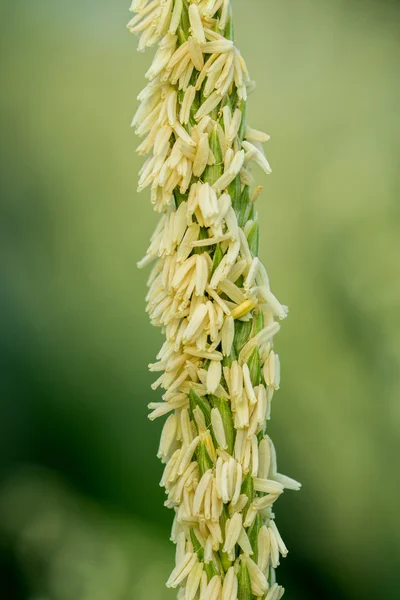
<point>211,296</point>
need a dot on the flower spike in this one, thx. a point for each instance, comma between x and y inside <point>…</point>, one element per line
<point>210,294</point>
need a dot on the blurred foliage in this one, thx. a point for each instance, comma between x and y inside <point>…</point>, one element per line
<point>69,548</point>
<point>75,340</point>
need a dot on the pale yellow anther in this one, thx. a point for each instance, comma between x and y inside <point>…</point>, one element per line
<point>243,309</point>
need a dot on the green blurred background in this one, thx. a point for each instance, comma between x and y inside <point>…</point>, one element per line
<point>81,512</point>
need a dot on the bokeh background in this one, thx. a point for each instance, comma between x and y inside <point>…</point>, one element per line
<point>81,512</point>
